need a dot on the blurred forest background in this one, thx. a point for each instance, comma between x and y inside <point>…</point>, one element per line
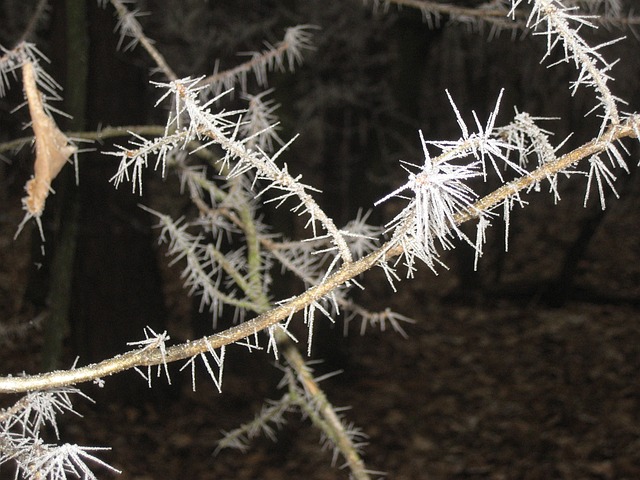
<point>526,368</point>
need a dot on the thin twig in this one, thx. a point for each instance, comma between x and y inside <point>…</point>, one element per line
<point>332,426</point>
<point>33,22</point>
<point>123,13</point>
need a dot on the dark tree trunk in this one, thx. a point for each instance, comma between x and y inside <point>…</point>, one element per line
<point>117,288</point>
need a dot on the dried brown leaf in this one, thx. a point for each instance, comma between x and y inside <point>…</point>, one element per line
<point>52,146</point>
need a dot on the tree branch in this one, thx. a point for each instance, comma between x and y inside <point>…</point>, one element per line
<point>149,357</point>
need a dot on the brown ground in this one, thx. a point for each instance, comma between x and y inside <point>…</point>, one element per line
<point>500,393</point>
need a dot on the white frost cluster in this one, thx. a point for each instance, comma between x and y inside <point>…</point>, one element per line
<point>21,441</point>
<point>441,195</point>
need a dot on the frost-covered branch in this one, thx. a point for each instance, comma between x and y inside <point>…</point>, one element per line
<point>593,68</point>
<point>345,440</point>
<point>307,398</point>
<point>286,54</point>
<point>129,27</point>
<point>493,13</point>
<point>630,128</point>
<point>219,129</point>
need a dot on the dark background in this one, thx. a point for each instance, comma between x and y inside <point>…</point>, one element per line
<point>526,368</point>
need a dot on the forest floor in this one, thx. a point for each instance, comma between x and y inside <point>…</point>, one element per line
<point>509,392</point>
<point>503,393</point>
